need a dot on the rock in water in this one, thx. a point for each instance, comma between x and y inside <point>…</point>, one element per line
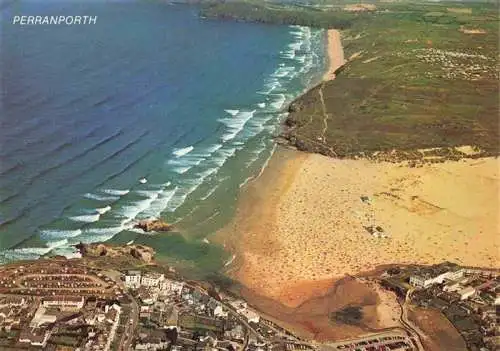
<point>155,225</point>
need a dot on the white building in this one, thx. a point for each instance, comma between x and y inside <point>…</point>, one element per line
<point>466,293</point>
<point>133,279</point>
<point>219,312</point>
<point>250,315</point>
<point>35,337</point>
<point>72,302</point>
<point>152,345</point>
<point>41,318</point>
<point>423,281</point>
<point>152,280</point>
<point>171,286</point>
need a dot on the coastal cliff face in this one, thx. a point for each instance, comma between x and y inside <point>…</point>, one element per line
<point>154,225</point>
<point>275,13</point>
<point>143,253</point>
<point>351,117</point>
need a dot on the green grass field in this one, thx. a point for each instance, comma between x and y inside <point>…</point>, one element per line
<point>414,79</point>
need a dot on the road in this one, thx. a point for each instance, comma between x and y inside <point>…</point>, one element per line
<point>128,334</point>
<point>414,330</point>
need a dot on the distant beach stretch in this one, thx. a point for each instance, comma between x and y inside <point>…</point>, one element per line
<point>335,53</point>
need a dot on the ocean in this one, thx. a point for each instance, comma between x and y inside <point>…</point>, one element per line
<point>150,112</point>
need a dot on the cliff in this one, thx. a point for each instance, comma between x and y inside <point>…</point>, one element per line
<point>139,252</point>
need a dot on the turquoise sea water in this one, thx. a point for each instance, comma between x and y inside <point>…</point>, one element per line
<point>151,112</point>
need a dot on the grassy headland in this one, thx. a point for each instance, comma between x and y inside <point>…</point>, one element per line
<point>416,77</point>
<point>278,13</point>
<point>421,83</point>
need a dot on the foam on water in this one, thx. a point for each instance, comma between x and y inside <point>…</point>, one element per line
<point>103,210</point>
<point>51,234</point>
<point>179,197</point>
<point>183,151</point>
<point>97,197</point>
<point>220,157</point>
<point>132,209</point>
<point>196,165</point>
<point>116,192</point>
<point>210,192</point>
<point>148,193</point>
<point>68,252</point>
<point>25,253</point>
<point>235,125</point>
<point>214,148</point>
<point>278,102</point>
<point>90,218</point>
<point>99,234</point>
<point>181,170</point>
<point>159,204</point>
<point>232,112</point>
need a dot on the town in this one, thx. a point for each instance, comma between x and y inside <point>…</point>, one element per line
<point>468,297</point>
<point>59,304</point>
<point>53,305</point>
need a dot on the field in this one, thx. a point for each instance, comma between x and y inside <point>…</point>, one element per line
<point>417,76</point>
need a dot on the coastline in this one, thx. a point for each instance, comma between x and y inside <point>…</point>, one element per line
<point>334,53</point>
<point>304,223</point>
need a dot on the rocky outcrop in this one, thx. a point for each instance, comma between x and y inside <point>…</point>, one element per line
<point>153,225</point>
<point>139,252</point>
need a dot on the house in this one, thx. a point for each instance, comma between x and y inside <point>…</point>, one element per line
<point>434,277</point>
<point>13,301</point>
<point>71,302</point>
<point>41,317</point>
<point>147,297</point>
<point>133,279</point>
<point>250,315</point>
<point>452,286</point>
<point>171,286</point>
<point>152,344</point>
<point>219,312</point>
<point>152,279</point>
<point>466,292</point>
<point>35,337</point>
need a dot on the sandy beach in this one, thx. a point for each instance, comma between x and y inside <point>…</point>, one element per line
<point>335,54</point>
<point>303,222</point>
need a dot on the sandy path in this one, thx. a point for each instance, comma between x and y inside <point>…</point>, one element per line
<point>303,220</point>
<point>335,53</point>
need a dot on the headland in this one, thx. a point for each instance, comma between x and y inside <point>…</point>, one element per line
<point>381,166</point>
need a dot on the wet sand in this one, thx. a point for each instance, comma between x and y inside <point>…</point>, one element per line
<point>302,223</point>
<point>335,53</point>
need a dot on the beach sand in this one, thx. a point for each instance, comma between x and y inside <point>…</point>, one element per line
<point>335,54</point>
<point>302,223</point>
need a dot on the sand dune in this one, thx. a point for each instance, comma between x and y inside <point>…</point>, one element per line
<point>304,220</point>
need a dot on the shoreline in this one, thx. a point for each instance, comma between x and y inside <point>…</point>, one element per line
<point>290,220</point>
<point>334,54</point>
<point>289,223</point>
